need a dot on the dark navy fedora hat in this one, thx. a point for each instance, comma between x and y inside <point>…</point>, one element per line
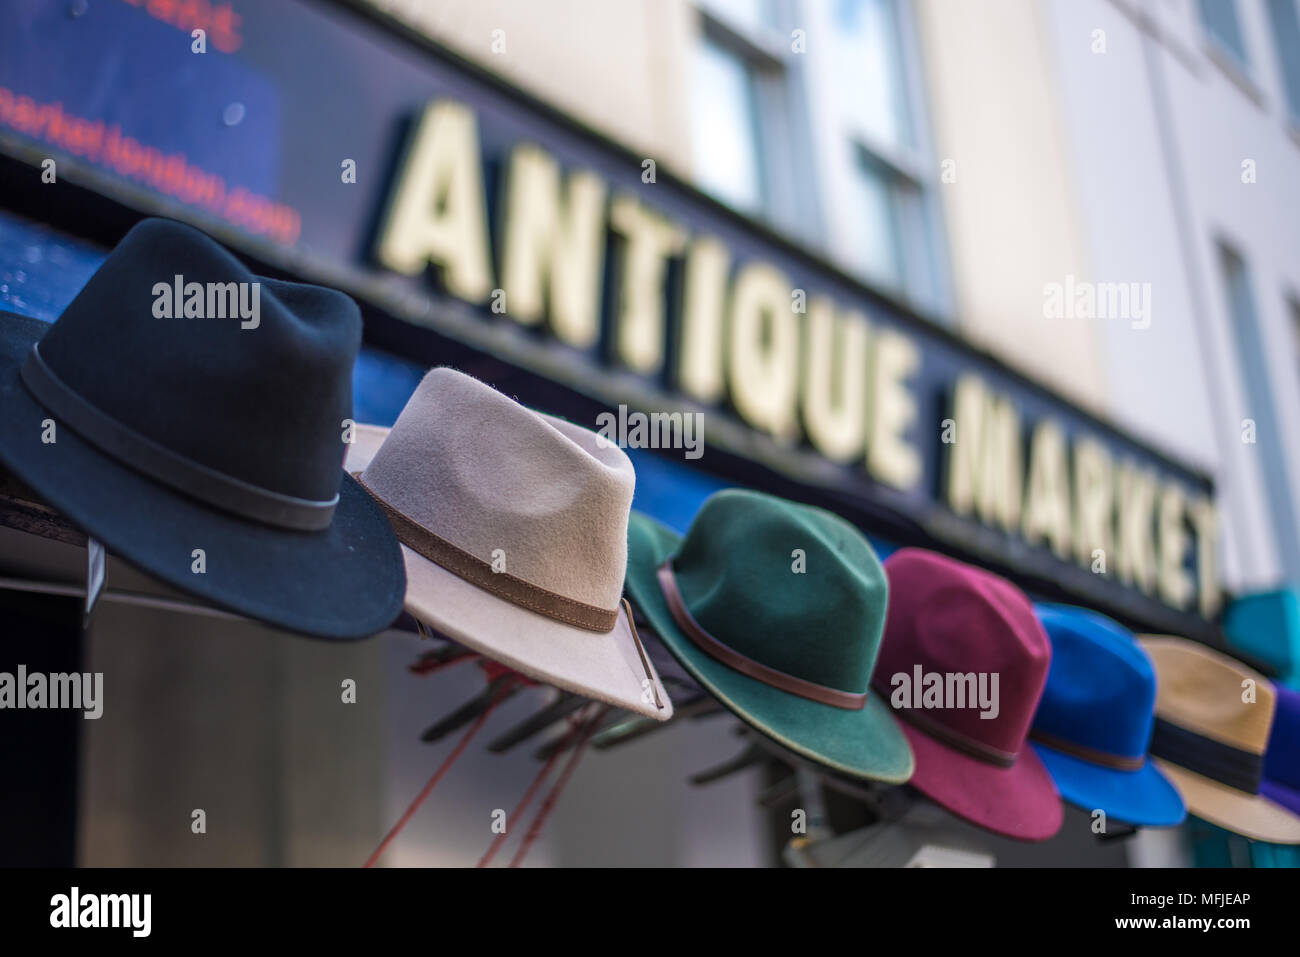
<point>1282,759</point>
<point>1095,719</point>
<point>181,403</point>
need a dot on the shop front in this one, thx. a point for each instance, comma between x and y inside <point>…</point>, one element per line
<point>481,229</point>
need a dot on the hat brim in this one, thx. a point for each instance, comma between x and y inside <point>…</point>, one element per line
<point>366,440</point>
<point>344,582</point>
<point>606,667</point>
<point>1250,815</point>
<point>1020,801</point>
<point>866,743</point>
<point>1143,797</point>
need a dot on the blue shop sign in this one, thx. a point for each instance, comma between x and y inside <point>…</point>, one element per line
<point>330,142</point>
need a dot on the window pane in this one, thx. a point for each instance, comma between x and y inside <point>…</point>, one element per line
<point>1294,307</point>
<point>1220,19</point>
<point>1260,404</point>
<point>751,14</point>
<point>723,129</point>
<point>872,210</point>
<point>1286,37</point>
<point>869,69</point>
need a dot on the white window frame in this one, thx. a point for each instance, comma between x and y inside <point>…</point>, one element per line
<point>1290,109</point>
<point>1240,69</point>
<point>789,201</point>
<point>844,147</point>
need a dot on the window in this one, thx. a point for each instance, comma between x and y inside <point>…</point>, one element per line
<point>867,50</point>
<point>888,225</point>
<point>1253,360</point>
<point>890,232</point>
<point>1286,37</point>
<point>724,131</point>
<point>1237,284</point>
<point>1293,309</point>
<point>828,148</point>
<point>749,125</point>
<point>874,254</point>
<point>1219,18</point>
<point>744,14</point>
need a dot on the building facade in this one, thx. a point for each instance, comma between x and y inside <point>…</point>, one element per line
<point>842,231</point>
<point>968,156</point>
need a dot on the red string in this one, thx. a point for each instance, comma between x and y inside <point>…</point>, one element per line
<point>544,812</point>
<point>574,728</point>
<point>438,774</point>
<point>494,669</point>
<point>429,664</point>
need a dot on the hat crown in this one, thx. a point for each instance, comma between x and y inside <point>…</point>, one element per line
<point>1205,692</point>
<point>793,587</point>
<point>265,405</point>
<point>535,496</point>
<point>953,619</point>
<point>1101,687</point>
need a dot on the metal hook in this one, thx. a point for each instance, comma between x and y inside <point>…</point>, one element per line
<point>498,689</point>
<point>557,710</point>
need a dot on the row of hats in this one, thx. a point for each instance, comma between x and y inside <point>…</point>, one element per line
<point>784,614</point>
<point>175,432</point>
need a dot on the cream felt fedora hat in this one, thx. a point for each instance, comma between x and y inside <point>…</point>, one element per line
<point>513,526</point>
<point>1213,717</point>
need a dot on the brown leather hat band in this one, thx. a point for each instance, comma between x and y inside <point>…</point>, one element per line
<point>507,587</point>
<point>955,739</point>
<point>1118,762</point>
<point>748,666</point>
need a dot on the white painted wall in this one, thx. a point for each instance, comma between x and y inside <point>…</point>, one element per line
<point>1011,214</point>
<point>1180,383</point>
<point>618,67</point>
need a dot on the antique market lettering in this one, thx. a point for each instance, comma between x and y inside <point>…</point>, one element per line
<point>794,367</point>
<point>1073,498</point>
<point>742,335</point>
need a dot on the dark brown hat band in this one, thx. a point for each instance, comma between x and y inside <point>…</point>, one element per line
<point>1117,762</point>
<point>143,455</point>
<point>955,739</point>
<point>477,572</point>
<point>733,659</point>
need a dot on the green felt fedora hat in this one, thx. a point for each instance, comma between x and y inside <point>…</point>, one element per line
<point>777,609</point>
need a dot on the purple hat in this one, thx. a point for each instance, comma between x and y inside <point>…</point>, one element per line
<point>963,662</point>
<point>1282,759</point>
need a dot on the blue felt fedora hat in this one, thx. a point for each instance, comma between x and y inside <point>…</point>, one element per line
<point>1094,721</point>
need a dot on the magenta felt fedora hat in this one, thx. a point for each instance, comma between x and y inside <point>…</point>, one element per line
<point>963,663</point>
